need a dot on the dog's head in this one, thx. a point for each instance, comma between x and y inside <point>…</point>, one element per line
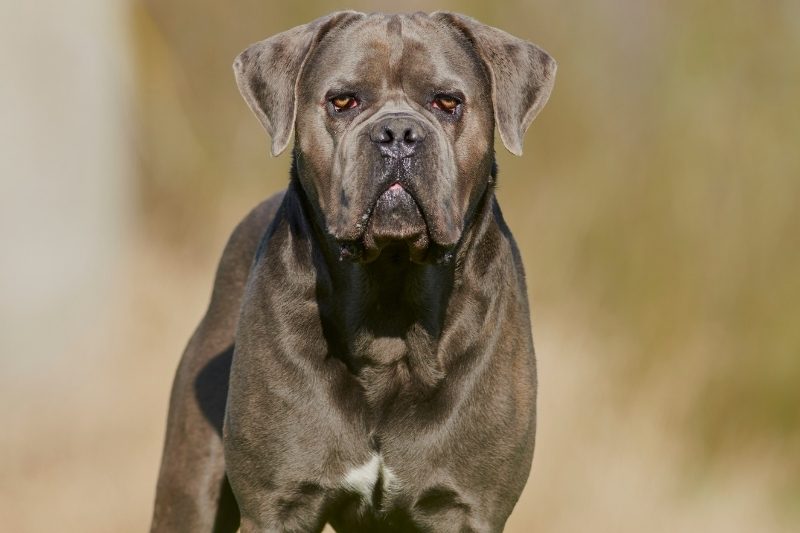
<point>394,118</point>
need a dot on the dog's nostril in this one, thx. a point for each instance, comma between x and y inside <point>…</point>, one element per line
<point>410,136</point>
<point>386,136</point>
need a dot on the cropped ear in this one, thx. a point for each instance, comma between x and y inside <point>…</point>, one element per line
<point>268,71</point>
<point>522,76</point>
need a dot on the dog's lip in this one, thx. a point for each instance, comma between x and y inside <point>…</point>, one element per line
<point>394,186</point>
<point>384,227</point>
<point>357,247</point>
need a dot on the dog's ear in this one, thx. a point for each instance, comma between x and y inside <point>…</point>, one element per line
<point>267,73</point>
<point>522,76</point>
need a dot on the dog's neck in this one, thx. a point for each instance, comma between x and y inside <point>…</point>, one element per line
<point>384,319</point>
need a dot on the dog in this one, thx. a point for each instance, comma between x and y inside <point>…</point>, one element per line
<point>366,360</point>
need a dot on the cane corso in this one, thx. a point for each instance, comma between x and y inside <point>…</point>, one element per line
<point>366,360</point>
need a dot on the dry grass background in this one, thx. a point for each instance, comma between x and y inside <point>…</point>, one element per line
<point>656,208</point>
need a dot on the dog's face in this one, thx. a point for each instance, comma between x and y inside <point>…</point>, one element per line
<point>395,130</point>
<point>395,118</point>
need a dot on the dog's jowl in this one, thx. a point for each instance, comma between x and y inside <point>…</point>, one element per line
<point>366,360</point>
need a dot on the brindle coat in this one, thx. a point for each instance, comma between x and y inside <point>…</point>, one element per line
<point>383,376</point>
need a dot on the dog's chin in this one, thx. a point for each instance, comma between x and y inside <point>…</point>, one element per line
<point>395,226</point>
<point>396,223</point>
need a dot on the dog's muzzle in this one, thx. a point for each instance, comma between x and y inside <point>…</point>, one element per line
<point>395,217</point>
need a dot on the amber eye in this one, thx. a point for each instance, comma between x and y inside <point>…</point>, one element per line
<point>446,103</point>
<point>343,102</point>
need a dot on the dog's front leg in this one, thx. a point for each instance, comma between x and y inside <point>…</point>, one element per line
<point>193,494</point>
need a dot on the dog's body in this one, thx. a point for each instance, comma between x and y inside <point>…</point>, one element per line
<point>383,377</point>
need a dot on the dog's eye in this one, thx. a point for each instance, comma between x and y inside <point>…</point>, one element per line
<point>343,102</point>
<point>445,102</point>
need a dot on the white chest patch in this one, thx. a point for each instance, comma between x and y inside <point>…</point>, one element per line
<point>362,479</point>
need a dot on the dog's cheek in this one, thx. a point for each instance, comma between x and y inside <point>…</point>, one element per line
<point>473,162</point>
<point>316,150</point>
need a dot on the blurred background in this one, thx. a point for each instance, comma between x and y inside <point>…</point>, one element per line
<point>656,207</point>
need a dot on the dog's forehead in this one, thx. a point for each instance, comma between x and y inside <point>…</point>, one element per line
<point>387,50</point>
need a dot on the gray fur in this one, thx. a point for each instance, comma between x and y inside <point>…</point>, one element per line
<point>372,320</point>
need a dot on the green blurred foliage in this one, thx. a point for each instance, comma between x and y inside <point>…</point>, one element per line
<point>656,204</point>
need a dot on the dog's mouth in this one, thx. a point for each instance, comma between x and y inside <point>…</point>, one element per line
<point>395,221</point>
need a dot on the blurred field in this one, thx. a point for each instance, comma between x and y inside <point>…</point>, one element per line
<point>656,208</point>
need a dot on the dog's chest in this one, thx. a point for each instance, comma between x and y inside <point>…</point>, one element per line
<point>371,481</point>
<point>381,350</point>
<point>382,364</point>
<point>391,365</point>
<point>379,499</point>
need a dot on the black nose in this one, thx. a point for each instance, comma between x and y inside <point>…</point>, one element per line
<point>397,135</point>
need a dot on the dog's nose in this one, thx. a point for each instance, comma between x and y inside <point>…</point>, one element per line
<point>397,135</point>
